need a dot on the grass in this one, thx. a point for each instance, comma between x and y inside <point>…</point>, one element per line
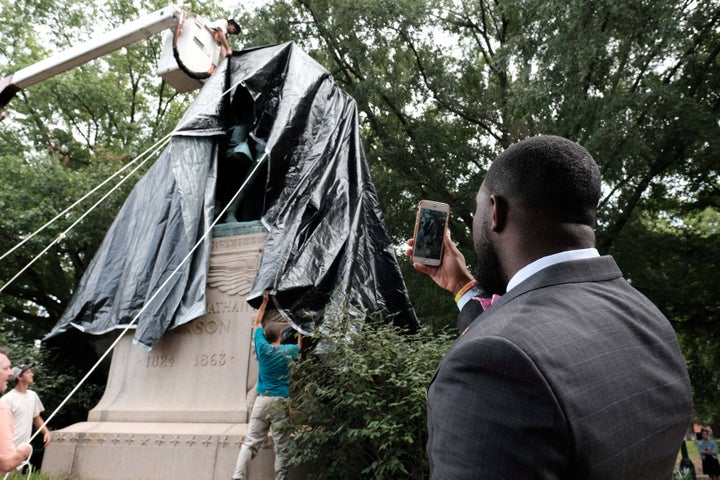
<point>36,475</point>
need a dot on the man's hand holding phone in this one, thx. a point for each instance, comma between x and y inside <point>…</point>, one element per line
<point>452,273</point>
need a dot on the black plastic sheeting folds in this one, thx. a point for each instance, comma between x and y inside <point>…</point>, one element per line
<point>327,249</point>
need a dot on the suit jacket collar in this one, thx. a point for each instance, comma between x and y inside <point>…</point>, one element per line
<point>585,270</point>
<point>549,260</point>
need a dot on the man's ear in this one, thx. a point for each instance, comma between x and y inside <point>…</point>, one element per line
<point>499,213</point>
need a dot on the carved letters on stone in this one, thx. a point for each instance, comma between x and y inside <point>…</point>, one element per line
<point>215,347</point>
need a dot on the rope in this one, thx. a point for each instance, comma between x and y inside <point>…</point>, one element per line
<point>155,147</point>
<point>84,197</point>
<point>148,153</point>
<point>249,178</point>
<point>25,463</point>
<point>82,381</point>
<point>67,230</point>
<point>162,140</point>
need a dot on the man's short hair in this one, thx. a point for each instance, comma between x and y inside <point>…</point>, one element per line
<point>549,173</point>
<point>273,331</point>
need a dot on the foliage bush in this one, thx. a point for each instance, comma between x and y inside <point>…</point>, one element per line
<point>359,403</point>
<point>683,474</point>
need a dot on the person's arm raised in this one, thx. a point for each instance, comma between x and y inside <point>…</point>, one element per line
<point>261,311</point>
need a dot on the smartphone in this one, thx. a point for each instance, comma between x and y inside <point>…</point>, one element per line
<point>430,225</point>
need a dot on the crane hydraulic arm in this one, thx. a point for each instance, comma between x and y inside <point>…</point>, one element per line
<point>190,33</point>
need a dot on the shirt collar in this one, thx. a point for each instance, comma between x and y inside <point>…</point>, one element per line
<point>544,262</point>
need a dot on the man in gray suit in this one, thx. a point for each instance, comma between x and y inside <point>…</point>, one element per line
<point>571,373</point>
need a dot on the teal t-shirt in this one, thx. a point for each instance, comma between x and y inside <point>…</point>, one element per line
<point>274,366</point>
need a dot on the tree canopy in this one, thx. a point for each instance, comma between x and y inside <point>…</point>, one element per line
<point>60,140</point>
<point>442,87</point>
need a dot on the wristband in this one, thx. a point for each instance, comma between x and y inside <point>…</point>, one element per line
<point>464,290</point>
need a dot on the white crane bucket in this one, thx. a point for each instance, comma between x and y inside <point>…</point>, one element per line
<point>190,55</point>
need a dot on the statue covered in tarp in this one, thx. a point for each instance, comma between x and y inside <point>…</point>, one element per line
<point>327,247</point>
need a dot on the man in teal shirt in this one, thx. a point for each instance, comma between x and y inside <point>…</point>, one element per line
<point>272,392</point>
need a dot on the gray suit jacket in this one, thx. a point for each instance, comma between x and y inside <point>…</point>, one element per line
<point>572,375</point>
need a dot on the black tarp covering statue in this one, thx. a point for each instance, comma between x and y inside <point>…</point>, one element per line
<point>276,112</point>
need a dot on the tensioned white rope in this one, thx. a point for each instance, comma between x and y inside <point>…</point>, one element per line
<point>160,288</point>
<point>67,230</point>
<point>249,178</point>
<point>149,152</point>
<point>77,202</point>
<point>26,462</point>
<point>100,185</point>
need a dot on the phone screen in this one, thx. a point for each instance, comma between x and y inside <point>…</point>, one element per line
<point>429,232</point>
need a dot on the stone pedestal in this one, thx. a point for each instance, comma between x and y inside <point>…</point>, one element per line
<point>181,410</point>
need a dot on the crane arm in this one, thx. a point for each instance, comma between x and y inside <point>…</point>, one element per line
<point>108,42</point>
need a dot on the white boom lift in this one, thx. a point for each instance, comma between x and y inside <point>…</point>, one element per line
<point>190,53</point>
